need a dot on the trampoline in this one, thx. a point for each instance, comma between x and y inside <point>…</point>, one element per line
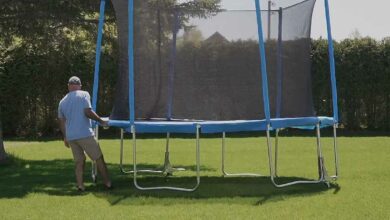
<point>197,69</point>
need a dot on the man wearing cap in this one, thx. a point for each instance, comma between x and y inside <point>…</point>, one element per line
<point>75,114</point>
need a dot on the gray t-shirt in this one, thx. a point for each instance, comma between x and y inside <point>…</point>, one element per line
<point>71,108</point>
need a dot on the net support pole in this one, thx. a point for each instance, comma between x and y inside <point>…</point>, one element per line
<point>96,78</point>
<point>332,63</point>
<point>279,65</point>
<point>269,20</point>
<point>263,62</point>
<point>131,60</point>
<point>334,88</point>
<point>97,58</point>
<point>175,28</point>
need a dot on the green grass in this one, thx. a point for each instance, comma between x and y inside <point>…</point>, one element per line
<point>39,183</point>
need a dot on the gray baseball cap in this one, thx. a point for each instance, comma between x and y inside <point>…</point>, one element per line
<point>74,80</point>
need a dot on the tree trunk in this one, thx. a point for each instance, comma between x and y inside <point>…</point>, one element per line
<point>3,155</point>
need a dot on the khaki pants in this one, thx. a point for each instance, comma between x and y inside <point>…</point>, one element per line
<point>88,145</point>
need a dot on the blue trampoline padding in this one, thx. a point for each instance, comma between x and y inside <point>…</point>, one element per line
<point>208,127</point>
<point>156,126</point>
<point>301,123</point>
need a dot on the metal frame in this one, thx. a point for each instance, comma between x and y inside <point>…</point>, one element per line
<point>94,172</point>
<point>167,169</point>
<point>135,171</point>
<point>323,175</point>
<point>226,174</point>
<point>276,151</point>
<point>336,156</point>
<point>123,170</point>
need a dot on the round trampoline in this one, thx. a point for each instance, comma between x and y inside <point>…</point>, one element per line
<point>198,68</point>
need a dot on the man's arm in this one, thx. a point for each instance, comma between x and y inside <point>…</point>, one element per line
<point>92,115</point>
<point>63,130</point>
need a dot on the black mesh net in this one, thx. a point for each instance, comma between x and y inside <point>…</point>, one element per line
<point>202,62</point>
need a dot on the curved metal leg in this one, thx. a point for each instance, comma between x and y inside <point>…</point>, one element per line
<point>121,156</point>
<point>336,157</point>
<point>276,151</point>
<point>94,172</point>
<point>123,170</point>
<point>323,177</point>
<point>223,162</point>
<point>167,168</point>
<point>167,187</point>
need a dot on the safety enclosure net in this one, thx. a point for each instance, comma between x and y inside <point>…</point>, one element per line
<point>198,62</point>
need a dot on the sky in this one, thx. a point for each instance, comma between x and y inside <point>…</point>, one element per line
<point>369,18</point>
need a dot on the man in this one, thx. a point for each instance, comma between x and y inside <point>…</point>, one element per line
<point>75,114</point>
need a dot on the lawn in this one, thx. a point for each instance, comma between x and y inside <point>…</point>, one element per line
<point>39,184</point>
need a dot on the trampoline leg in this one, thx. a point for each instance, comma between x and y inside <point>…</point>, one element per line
<point>322,173</point>
<point>123,170</point>
<point>323,176</point>
<point>223,162</point>
<point>94,172</point>
<point>271,164</point>
<point>168,169</point>
<point>336,157</point>
<point>276,151</point>
<point>167,187</point>
<point>121,156</point>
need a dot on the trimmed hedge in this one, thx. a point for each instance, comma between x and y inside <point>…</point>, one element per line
<point>363,81</point>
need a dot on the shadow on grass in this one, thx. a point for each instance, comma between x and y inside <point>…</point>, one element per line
<point>113,134</point>
<point>56,177</point>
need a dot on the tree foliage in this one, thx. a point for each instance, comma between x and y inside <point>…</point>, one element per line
<point>42,44</point>
<point>3,155</point>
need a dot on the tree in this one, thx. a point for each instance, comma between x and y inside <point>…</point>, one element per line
<point>38,55</point>
<point>3,155</point>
